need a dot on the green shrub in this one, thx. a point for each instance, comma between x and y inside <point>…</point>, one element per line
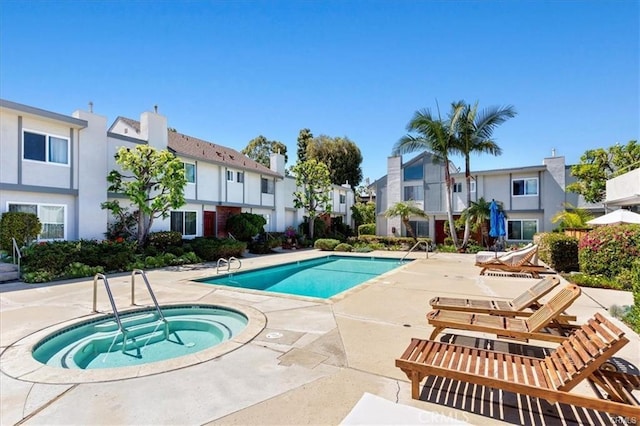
<point>212,249</point>
<point>164,239</point>
<point>326,244</point>
<point>344,247</point>
<point>24,227</point>
<point>245,226</point>
<point>633,316</point>
<point>392,242</point>
<point>37,277</point>
<point>367,229</point>
<point>597,281</point>
<point>79,270</point>
<point>608,250</point>
<point>559,251</point>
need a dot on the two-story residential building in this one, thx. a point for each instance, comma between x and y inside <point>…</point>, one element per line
<point>530,195</point>
<point>56,166</point>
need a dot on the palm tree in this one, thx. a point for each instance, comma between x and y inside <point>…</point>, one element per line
<point>437,136</point>
<point>572,217</point>
<point>474,134</point>
<point>478,214</point>
<point>406,209</point>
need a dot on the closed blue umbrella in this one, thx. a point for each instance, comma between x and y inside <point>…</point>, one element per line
<point>494,220</point>
<point>501,231</point>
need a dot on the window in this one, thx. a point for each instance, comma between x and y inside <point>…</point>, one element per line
<point>190,172</point>
<point>414,172</point>
<point>184,222</point>
<point>414,193</point>
<point>473,186</point>
<point>420,227</point>
<point>46,148</point>
<point>267,186</point>
<point>343,198</point>
<point>229,175</point>
<point>240,177</point>
<point>457,187</point>
<point>521,229</point>
<point>52,218</point>
<point>524,187</point>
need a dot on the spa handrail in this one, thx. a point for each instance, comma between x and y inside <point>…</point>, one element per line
<point>151,293</point>
<point>113,305</point>
<point>228,263</point>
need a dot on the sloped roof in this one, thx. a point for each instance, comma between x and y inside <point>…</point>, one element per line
<point>192,147</point>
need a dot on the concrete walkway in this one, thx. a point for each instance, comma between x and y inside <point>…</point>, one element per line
<point>310,362</point>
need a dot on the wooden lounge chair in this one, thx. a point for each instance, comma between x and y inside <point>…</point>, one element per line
<point>545,323</point>
<point>523,261</point>
<point>576,359</point>
<point>522,306</point>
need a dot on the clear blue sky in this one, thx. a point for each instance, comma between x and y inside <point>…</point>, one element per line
<point>228,71</point>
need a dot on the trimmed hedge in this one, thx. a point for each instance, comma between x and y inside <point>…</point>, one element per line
<point>24,227</point>
<point>559,251</point>
<point>326,244</point>
<point>344,247</point>
<point>367,229</point>
<point>212,249</point>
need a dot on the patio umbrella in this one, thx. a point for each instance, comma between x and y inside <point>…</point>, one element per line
<point>616,217</point>
<point>496,222</point>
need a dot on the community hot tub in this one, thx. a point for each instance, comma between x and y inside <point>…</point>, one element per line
<point>98,349</point>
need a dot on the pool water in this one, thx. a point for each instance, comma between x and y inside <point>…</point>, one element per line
<point>99,343</point>
<point>320,278</point>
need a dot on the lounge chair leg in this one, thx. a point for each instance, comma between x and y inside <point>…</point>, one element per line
<point>415,384</point>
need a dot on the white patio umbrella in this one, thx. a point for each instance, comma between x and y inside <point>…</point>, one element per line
<point>616,217</point>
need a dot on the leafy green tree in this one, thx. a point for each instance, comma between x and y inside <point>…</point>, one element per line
<point>153,181</point>
<point>24,227</point>
<point>314,183</point>
<point>474,134</point>
<point>406,209</point>
<point>341,155</point>
<point>304,137</point>
<point>435,135</point>
<point>598,165</point>
<point>364,212</point>
<point>572,218</point>
<point>260,150</point>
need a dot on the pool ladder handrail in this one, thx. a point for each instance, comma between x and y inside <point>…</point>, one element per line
<point>151,293</point>
<point>228,262</point>
<point>113,305</point>
<point>414,247</point>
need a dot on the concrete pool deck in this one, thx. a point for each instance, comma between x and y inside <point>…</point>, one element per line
<point>325,355</point>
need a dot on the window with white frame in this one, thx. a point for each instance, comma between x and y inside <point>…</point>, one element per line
<point>457,187</point>
<point>52,217</point>
<point>472,186</point>
<point>190,172</point>
<point>240,177</point>
<point>45,147</point>
<point>524,187</point>
<point>414,193</point>
<point>267,186</point>
<point>521,229</point>
<point>184,222</point>
<point>229,175</point>
<point>343,198</point>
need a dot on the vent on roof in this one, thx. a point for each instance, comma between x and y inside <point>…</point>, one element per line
<point>231,156</point>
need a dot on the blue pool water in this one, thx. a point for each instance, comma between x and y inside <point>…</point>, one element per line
<point>322,278</point>
<point>98,343</point>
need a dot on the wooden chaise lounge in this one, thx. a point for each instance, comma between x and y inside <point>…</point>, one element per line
<point>522,306</point>
<point>523,261</point>
<point>546,323</point>
<point>576,359</point>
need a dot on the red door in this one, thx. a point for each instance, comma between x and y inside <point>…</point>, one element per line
<point>209,224</point>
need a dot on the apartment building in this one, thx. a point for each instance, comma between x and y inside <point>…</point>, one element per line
<point>56,165</point>
<point>531,195</point>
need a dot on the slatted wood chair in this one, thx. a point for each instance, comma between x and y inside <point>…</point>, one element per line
<point>575,360</point>
<point>545,323</point>
<point>523,261</point>
<point>522,306</point>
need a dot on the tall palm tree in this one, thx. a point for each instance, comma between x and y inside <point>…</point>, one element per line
<point>406,209</point>
<point>474,135</point>
<point>437,136</point>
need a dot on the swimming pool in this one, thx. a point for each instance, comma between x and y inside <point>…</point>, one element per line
<point>320,278</point>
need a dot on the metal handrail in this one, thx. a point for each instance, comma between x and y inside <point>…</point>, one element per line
<point>113,306</point>
<point>15,252</point>
<point>228,263</point>
<point>416,245</point>
<point>151,293</point>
